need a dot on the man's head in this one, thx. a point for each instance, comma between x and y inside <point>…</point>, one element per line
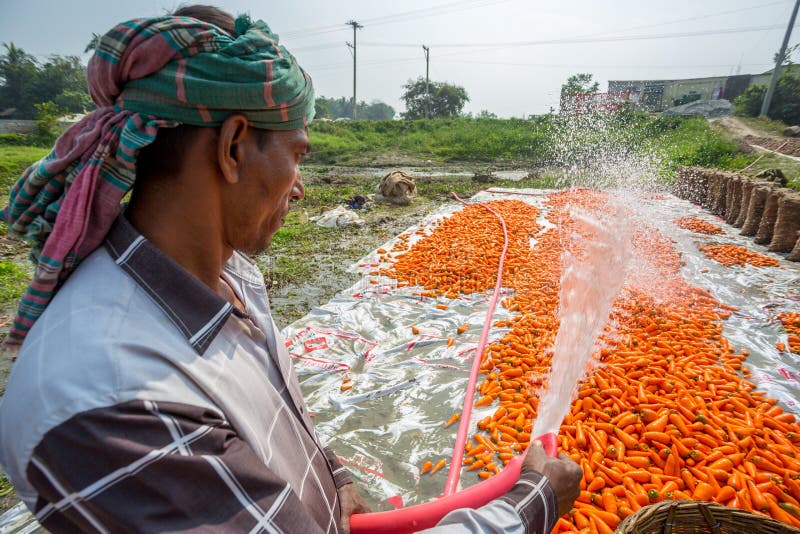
<point>261,177</point>
<point>257,169</point>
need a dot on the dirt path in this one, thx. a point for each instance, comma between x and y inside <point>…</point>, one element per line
<point>738,128</point>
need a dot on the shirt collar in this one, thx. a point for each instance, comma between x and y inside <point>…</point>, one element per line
<point>195,310</point>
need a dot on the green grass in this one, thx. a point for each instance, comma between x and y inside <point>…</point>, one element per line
<point>440,140</point>
<point>328,195</point>
<point>790,168</point>
<point>5,486</point>
<point>13,161</point>
<point>548,140</point>
<point>693,142</point>
<point>13,281</point>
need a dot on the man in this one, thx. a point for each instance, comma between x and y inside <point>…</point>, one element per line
<point>152,391</point>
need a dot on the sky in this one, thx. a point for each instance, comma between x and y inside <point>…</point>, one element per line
<point>511,56</point>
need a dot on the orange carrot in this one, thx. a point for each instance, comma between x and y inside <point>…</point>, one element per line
<point>441,463</point>
<point>453,419</point>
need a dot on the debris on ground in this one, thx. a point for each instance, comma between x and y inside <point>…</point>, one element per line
<point>359,202</point>
<point>710,109</point>
<point>773,175</point>
<point>484,177</point>
<point>396,187</point>
<point>792,131</point>
<point>339,216</point>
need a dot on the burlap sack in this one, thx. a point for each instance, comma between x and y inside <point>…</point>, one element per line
<point>767,224</point>
<point>787,224</point>
<point>747,189</point>
<point>397,187</point>
<point>698,186</point>
<point>794,255</point>
<point>735,200</point>
<point>716,192</point>
<point>714,187</point>
<point>691,183</point>
<point>755,208</point>
<point>681,186</point>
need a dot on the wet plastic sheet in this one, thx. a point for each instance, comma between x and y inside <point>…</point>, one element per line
<point>18,520</point>
<point>406,385</point>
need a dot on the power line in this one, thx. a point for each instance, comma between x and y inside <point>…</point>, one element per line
<point>395,17</point>
<point>581,40</point>
<point>591,65</point>
<point>432,11</point>
<point>566,41</point>
<point>631,28</point>
<point>687,19</point>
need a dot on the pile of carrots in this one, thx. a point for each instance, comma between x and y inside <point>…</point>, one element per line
<point>698,225</point>
<point>791,322</point>
<point>735,255</point>
<point>666,410</point>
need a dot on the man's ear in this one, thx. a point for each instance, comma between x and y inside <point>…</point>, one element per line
<point>230,146</point>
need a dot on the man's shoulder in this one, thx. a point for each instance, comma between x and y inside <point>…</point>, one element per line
<point>100,342</point>
<point>99,305</point>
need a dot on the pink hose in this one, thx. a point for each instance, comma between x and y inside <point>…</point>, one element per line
<point>451,485</point>
<point>426,515</point>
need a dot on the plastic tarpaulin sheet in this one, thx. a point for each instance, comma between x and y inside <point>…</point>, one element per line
<point>405,385</point>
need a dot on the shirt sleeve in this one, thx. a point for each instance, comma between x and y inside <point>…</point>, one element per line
<point>340,474</point>
<point>153,467</point>
<point>529,507</point>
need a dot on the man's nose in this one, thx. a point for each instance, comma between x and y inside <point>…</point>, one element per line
<point>298,190</point>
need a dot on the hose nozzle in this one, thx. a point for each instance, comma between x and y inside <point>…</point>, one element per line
<point>550,443</point>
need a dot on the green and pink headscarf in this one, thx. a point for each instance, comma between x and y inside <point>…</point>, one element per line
<point>145,74</point>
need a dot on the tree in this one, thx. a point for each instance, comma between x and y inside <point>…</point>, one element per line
<point>445,100</point>
<point>787,55</point>
<point>321,109</point>
<point>375,111</point>
<point>63,80</point>
<point>24,83</point>
<point>748,104</point>
<point>579,83</point>
<point>334,108</point>
<point>785,105</point>
<point>486,114</point>
<point>18,71</point>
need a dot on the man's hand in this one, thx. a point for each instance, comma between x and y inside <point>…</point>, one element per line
<point>564,474</point>
<point>351,502</point>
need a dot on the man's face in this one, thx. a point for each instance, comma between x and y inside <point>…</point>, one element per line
<point>268,180</point>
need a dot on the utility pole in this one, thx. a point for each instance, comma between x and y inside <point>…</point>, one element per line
<point>776,72</point>
<point>355,26</point>
<point>427,81</point>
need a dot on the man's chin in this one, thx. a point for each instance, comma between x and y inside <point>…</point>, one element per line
<point>255,249</point>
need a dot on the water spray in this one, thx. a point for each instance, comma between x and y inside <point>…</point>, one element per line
<point>591,280</point>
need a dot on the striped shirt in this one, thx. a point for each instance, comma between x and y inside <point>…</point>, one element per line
<point>142,401</point>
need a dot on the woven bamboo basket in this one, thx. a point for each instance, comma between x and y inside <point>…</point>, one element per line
<point>699,517</point>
